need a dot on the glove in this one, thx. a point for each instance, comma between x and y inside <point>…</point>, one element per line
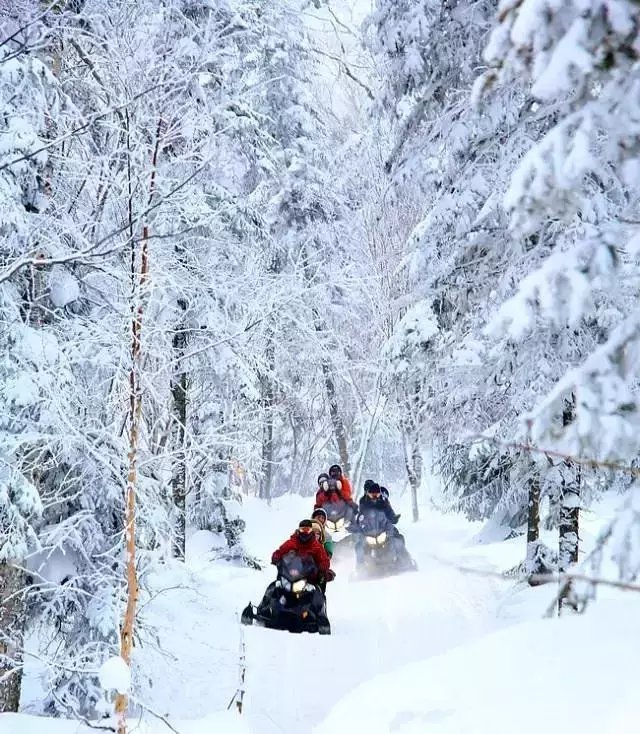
<point>331,574</point>
<point>396,518</point>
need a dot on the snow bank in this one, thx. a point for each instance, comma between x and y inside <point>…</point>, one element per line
<point>569,674</point>
<point>228,722</point>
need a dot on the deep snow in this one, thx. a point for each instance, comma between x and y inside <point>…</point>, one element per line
<point>438,650</point>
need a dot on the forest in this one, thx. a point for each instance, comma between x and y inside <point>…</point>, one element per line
<point>244,240</point>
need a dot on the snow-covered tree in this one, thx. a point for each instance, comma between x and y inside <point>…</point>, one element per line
<point>573,198</point>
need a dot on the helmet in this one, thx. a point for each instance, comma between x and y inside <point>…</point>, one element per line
<point>319,512</point>
<point>370,487</point>
<point>322,478</point>
<point>335,471</point>
<point>305,531</point>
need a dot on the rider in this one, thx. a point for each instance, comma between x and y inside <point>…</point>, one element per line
<point>328,491</point>
<point>319,532</point>
<point>373,499</point>
<point>319,517</point>
<point>334,487</point>
<point>335,473</point>
<point>306,545</point>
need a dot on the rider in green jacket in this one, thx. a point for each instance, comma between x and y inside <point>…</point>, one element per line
<point>319,518</point>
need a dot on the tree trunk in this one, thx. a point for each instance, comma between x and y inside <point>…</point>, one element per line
<point>336,418</point>
<point>413,464</point>
<point>135,397</point>
<point>12,624</point>
<point>533,528</point>
<point>415,478</point>
<point>268,399</point>
<point>135,421</point>
<point>367,436</point>
<point>569,516</point>
<point>332,398</point>
<point>410,424</point>
<point>179,396</point>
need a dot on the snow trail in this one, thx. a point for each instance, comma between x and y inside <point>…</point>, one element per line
<point>377,626</point>
<point>190,672</point>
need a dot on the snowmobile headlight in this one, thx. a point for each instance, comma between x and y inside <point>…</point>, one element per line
<point>285,584</point>
<point>381,538</point>
<point>371,541</point>
<point>299,586</point>
<point>340,524</point>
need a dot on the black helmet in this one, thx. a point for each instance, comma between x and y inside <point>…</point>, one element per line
<point>322,478</point>
<point>319,512</point>
<point>370,487</point>
<point>305,531</point>
<point>335,471</point>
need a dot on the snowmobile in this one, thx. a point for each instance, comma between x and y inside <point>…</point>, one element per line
<point>339,516</point>
<point>383,554</point>
<point>291,603</point>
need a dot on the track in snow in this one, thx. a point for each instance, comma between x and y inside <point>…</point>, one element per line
<point>293,681</point>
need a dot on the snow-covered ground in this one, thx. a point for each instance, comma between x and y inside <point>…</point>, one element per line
<point>440,650</point>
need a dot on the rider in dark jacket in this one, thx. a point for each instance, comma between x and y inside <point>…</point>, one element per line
<point>373,499</point>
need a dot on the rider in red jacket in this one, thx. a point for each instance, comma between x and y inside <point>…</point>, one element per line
<point>335,473</point>
<point>334,487</point>
<point>305,544</point>
<point>328,491</point>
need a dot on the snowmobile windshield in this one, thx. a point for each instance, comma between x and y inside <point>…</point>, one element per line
<point>374,522</point>
<point>335,510</point>
<point>294,567</point>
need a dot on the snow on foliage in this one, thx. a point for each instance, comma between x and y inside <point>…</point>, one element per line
<point>115,675</point>
<point>442,264</point>
<point>582,57</point>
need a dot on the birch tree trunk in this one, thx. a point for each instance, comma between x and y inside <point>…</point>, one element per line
<point>135,419</point>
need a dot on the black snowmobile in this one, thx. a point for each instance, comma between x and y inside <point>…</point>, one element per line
<point>339,516</point>
<point>291,603</point>
<point>383,552</point>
